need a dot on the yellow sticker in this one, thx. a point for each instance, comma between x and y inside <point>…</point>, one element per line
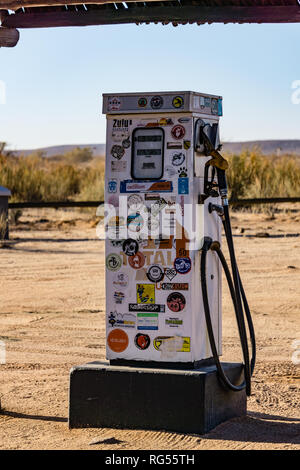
<point>145,293</point>
<point>172,343</point>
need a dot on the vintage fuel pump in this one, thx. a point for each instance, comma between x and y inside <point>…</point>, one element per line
<point>166,197</point>
<point>165,203</point>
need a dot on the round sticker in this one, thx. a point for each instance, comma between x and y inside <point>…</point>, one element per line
<point>156,102</point>
<point>130,247</point>
<point>120,279</point>
<point>142,102</point>
<point>135,201</point>
<point>155,273</point>
<point>176,301</point>
<point>178,131</point>
<point>142,341</point>
<point>113,262</point>
<point>137,261</point>
<point>177,158</point>
<point>117,340</point>
<point>183,265</point>
<point>177,102</point>
<point>117,151</point>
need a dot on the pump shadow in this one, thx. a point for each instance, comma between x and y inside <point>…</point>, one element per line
<point>259,428</point>
<point>13,414</point>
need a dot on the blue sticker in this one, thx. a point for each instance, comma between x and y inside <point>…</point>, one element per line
<point>220,108</point>
<point>112,186</point>
<point>183,186</point>
<point>183,265</point>
<point>145,186</point>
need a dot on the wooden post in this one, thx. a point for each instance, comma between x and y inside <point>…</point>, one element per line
<point>9,37</point>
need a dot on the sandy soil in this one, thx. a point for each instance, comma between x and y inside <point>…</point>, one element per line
<point>52,317</point>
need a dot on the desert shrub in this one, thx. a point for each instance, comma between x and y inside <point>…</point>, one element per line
<point>253,175</point>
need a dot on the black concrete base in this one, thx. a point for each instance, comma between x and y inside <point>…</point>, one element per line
<point>188,401</point>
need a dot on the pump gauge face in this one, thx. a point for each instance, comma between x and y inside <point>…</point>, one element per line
<point>147,153</point>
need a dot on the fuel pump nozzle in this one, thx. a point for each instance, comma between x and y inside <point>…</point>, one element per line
<point>241,307</point>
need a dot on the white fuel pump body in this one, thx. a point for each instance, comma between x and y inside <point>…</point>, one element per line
<point>155,228</point>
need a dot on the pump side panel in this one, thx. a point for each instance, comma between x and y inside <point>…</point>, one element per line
<point>148,318</point>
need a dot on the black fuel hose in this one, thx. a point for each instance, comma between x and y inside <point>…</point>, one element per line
<point>239,300</point>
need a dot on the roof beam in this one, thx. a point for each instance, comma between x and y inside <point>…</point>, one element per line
<point>175,14</point>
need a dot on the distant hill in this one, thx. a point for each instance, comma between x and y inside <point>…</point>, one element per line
<point>98,150</point>
<point>266,146</point>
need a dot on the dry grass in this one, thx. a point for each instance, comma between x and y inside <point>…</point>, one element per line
<point>76,175</point>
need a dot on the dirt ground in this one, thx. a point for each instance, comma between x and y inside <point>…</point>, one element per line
<point>52,318</point>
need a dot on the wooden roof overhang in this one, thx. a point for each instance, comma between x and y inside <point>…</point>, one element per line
<point>53,13</point>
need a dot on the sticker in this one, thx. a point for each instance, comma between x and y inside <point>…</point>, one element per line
<point>183,120</point>
<point>135,202</point>
<point>178,102</point>
<point>183,185</point>
<point>135,222</point>
<point>176,302</point>
<point>130,186</point>
<point>137,261</point>
<point>156,102</point>
<point>121,279</point>
<point>155,273</point>
<point>126,143</point>
<point>113,262</point>
<point>117,340</point>
<point>165,122</point>
<point>117,151</point>
<point>178,132</point>
<point>116,243</point>
<point>112,186</point>
<point>172,344</point>
<point>170,273</point>
<point>182,172</point>
<point>113,200</point>
<point>154,308</point>
<point>174,286</point>
<point>177,158</point>
<point>174,322</point>
<point>214,106</point>
<point>158,206</point>
<point>169,172</point>
<point>116,221</point>
<point>114,103</point>
<point>122,125</point>
<point>147,321</point>
<point>145,293</point>
<point>142,102</point>
<point>124,320</point>
<point>183,265</point>
<point>142,341</point>
<point>130,247</point>
<point>119,297</point>
<point>174,145</point>
<point>118,166</point>
<point>186,144</point>
<point>119,135</point>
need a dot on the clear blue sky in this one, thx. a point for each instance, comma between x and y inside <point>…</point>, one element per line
<point>55,78</point>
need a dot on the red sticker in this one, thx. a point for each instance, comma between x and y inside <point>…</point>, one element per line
<point>117,340</point>
<point>137,261</point>
<point>178,132</point>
